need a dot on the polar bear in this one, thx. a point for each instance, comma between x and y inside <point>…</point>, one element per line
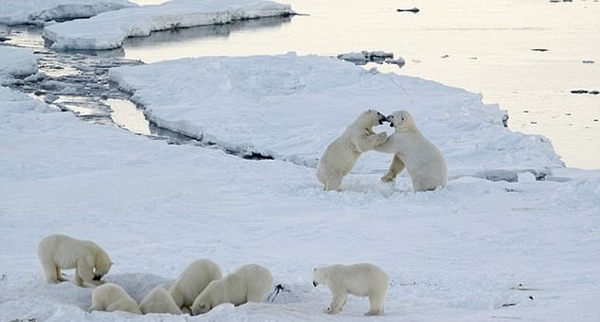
<point>89,260</point>
<point>423,160</point>
<point>359,279</point>
<point>341,155</point>
<point>248,283</point>
<point>159,300</point>
<point>111,297</point>
<point>192,281</point>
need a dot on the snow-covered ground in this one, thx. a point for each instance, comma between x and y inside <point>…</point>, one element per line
<point>476,250</point>
<point>109,29</point>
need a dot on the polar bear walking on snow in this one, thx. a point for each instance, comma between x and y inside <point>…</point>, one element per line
<point>423,160</point>
<point>249,283</point>
<point>111,297</point>
<point>192,281</point>
<point>89,260</point>
<point>341,155</point>
<point>359,280</point>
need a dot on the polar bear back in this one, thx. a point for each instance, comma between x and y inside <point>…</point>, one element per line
<point>193,280</point>
<point>111,297</point>
<point>63,250</point>
<point>159,300</point>
<point>248,283</point>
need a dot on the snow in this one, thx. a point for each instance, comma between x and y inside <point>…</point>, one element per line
<point>41,12</point>
<point>16,63</point>
<point>476,250</point>
<point>109,29</point>
<point>291,107</point>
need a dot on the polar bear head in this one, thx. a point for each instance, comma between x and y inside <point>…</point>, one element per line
<point>322,275</point>
<point>102,264</point>
<point>369,119</point>
<point>401,120</point>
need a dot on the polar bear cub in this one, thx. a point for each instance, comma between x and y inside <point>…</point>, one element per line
<point>423,160</point>
<point>193,280</point>
<point>248,283</point>
<point>359,280</point>
<point>159,300</point>
<point>111,297</point>
<point>89,260</point>
<point>342,154</point>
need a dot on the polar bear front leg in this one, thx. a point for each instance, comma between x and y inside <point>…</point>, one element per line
<point>333,183</point>
<point>396,167</point>
<point>337,303</point>
<point>83,273</point>
<point>367,143</point>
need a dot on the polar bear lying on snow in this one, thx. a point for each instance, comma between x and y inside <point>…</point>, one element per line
<point>111,297</point>
<point>423,160</point>
<point>89,260</point>
<point>249,283</point>
<point>159,300</point>
<point>192,281</point>
<point>358,279</point>
<point>341,155</point>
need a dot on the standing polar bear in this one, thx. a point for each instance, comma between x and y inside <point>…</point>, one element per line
<point>89,260</point>
<point>359,279</point>
<point>423,160</point>
<point>249,283</point>
<point>159,300</point>
<point>341,155</point>
<point>192,281</point>
<point>111,297</point>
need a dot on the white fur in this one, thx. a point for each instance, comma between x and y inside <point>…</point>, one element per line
<point>89,260</point>
<point>423,160</point>
<point>192,281</point>
<point>341,155</point>
<point>111,297</point>
<point>359,280</point>
<point>159,300</point>
<point>248,283</point>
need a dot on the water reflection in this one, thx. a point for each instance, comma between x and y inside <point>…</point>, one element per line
<point>187,40</point>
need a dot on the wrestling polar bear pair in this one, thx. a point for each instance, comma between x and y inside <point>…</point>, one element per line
<point>423,161</point>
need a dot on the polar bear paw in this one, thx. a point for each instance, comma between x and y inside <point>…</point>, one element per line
<point>388,177</point>
<point>380,138</point>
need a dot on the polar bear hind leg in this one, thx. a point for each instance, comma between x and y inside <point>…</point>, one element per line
<point>396,167</point>
<point>377,304</point>
<point>333,183</point>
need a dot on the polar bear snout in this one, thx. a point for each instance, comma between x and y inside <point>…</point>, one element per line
<point>382,118</point>
<point>97,277</point>
<point>315,283</point>
<point>390,118</point>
